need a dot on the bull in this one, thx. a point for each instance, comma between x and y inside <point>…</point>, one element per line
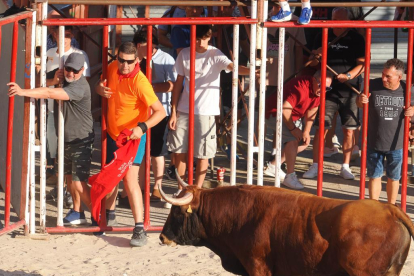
<point>273,231</point>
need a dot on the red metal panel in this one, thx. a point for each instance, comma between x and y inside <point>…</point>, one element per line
<point>407,119</point>
<point>343,24</point>
<point>322,110</point>
<point>57,230</point>
<point>365,113</point>
<point>12,227</point>
<point>191,105</point>
<point>14,18</point>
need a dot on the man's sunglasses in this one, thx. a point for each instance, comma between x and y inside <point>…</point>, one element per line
<point>328,88</point>
<point>70,69</point>
<point>129,61</point>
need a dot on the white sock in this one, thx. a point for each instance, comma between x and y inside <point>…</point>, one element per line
<point>345,166</point>
<point>284,5</point>
<point>274,151</point>
<point>306,4</point>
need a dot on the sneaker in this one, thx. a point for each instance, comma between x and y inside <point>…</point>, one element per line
<point>305,16</point>
<point>74,218</point>
<point>94,223</point>
<point>291,181</point>
<point>139,237</point>
<point>282,16</point>
<point>335,142</point>
<point>170,173</point>
<point>312,172</point>
<point>111,219</point>
<point>328,152</point>
<point>346,174</point>
<point>355,153</point>
<point>270,171</point>
<point>227,151</point>
<point>155,196</point>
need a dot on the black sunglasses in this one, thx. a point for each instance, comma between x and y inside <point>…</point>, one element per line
<point>328,88</point>
<point>70,69</point>
<point>129,61</point>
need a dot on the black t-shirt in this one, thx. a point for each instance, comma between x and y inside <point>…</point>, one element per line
<point>386,116</point>
<point>342,57</point>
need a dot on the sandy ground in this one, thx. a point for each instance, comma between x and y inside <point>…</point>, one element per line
<point>85,254</point>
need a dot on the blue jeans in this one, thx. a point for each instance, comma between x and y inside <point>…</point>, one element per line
<point>375,166</point>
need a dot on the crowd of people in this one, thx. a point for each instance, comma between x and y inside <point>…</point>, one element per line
<point>131,96</point>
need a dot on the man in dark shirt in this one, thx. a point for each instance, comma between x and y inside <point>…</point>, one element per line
<point>347,58</point>
<point>78,134</point>
<point>386,128</point>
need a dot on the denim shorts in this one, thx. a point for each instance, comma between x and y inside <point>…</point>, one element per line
<point>375,160</point>
<point>111,148</point>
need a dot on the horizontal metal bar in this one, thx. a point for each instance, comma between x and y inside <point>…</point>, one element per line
<point>149,21</point>
<point>12,227</point>
<point>15,17</point>
<point>343,24</point>
<point>57,230</point>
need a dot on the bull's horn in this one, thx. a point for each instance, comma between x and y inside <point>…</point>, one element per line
<point>186,199</point>
<point>182,183</point>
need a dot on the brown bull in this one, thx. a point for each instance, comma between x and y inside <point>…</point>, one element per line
<point>273,231</point>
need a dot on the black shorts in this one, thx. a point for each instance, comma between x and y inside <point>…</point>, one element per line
<point>347,109</point>
<point>159,138</point>
<point>227,96</point>
<point>78,158</point>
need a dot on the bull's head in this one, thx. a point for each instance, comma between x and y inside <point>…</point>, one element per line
<point>182,225</point>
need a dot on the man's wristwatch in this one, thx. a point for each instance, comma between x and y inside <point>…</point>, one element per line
<point>348,75</point>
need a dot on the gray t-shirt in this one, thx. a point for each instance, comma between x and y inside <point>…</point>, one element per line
<point>386,117</point>
<point>76,111</point>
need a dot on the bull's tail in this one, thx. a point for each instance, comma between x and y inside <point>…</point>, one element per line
<point>405,219</point>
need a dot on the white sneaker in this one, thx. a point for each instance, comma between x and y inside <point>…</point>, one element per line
<point>328,152</point>
<point>335,142</point>
<point>312,172</point>
<point>270,171</point>
<point>346,174</point>
<point>291,181</point>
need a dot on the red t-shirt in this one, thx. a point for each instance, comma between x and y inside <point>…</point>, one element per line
<point>299,93</point>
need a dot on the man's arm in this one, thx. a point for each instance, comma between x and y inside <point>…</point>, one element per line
<point>309,119</point>
<point>102,90</point>
<point>287,120</point>
<point>354,72</point>
<point>163,87</point>
<point>38,93</point>
<point>243,70</point>
<point>163,39</point>
<point>361,100</point>
<point>158,113</point>
<point>176,92</point>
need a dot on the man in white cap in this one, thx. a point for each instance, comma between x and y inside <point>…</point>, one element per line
<point>78,135</point>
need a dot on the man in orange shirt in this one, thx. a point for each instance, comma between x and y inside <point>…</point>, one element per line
<point>130,95</point>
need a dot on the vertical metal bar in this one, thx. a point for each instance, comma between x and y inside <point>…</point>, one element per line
<point>365,109</point>
<point>322,110</point>
<point>10,126</point>
<point>148,144</point>
<point>104,111</point>
<point>61,134</point>
<point>234,91</point>
<point>262,96</point>
<point>191,105</point>
<point>252,91</point>
<point>407,119</point>
<point>42,120</point>
<point>279,106</point>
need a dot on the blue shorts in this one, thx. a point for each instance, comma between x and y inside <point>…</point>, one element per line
<point>111,148</point>
<point>375,166</point>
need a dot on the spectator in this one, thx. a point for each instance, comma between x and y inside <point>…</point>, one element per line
<point>130,97</point>
<point>346,57</point>
<point>163,76</point>
<point>209,62</point>
<point>285,14</point>
<point>51,38</point>
<point>300,100</point>
<point>165,30</point>
<point>78,135</point>
<point>386,128</point>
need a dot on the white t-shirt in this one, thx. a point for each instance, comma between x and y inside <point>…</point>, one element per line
<point>163,71</point>
<point>53,59</point>
<point>208,66</point>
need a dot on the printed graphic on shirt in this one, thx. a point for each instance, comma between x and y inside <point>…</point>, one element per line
<point>389,106</point>
<point>273,44</point>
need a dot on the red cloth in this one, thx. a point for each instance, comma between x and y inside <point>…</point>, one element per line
<point>104,182</point>
<point>299,93</point>
<point>130,75</point>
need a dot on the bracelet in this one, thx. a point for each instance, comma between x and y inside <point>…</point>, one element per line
<point>143,127</point>
<point>292,128</point>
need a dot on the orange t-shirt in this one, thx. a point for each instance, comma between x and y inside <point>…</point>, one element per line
<point>129,102</point>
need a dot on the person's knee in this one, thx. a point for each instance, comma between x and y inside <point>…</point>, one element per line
<point>348,133</point>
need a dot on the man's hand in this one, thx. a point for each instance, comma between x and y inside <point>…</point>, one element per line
<point>102,90</point>
<point>297,133</point>
<point>14,89</point>
<point>306,138</point>
<point>363,99</point>
<point>136,133</point>
<point>342,78</point>
<point>172,124</point>
<point>409,112</point>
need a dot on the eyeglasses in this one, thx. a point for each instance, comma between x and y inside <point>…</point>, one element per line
<point>328,88</point>
<point>70,69</point>
<point>129,61</point>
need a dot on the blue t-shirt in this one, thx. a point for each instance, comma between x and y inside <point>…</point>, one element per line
<point>180,38</point>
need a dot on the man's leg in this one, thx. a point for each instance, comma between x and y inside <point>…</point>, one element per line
<point>201,170</point>
<point>134,193</point>
<point>158,164</point>
<point>374,188</point>
<point>290,152</point>
<point>180,165</point>
<point>394,164</point>
<point>392,190</point>
<point>348,144</point>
